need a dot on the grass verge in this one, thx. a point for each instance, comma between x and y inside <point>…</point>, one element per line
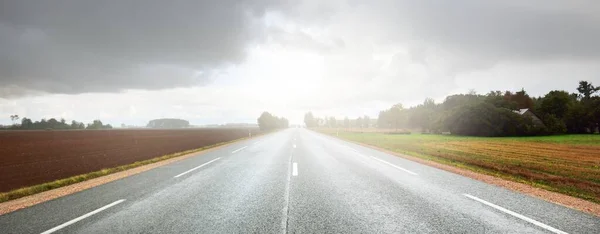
<point>567,164</point>
<point>31,190</point>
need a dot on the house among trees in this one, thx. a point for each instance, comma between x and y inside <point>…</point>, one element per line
<point>528,113</point>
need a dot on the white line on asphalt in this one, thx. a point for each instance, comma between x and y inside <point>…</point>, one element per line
<point>537,223</point>
<point>258,142</point>
<point>295,169</point>
<point>82,217</point>
<point>190,170</point>
<point>397,167</point>
<point>237,150</point>
<point>286,204</point>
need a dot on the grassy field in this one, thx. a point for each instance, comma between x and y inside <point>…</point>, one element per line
<point>567,164</point>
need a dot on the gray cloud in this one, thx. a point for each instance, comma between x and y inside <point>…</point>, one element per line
<point>106,46</point>
<point>449,39</point>
<point>68,46</point>
<point>302,40</point>
<point>498,29</point>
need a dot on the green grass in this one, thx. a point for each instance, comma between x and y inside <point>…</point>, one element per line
<point>27,191</point>
<point>568,164</point>
<point>562,139</point>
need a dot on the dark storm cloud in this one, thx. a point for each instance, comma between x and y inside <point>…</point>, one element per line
<point>106,46</point>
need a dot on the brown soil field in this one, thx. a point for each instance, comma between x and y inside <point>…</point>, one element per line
<point>33,157</point>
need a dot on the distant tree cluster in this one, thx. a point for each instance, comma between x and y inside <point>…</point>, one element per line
<point>494,114</point>
<point>500,113</point>
<point>28,124</point>
<point>267,122</point>
<point>331,122</point>
<point>168,123</point>
<point>310,120</point>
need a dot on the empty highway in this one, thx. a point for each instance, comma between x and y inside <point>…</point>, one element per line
<point>297,181</point>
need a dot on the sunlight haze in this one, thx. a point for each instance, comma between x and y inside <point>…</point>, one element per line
<point>228,62</point>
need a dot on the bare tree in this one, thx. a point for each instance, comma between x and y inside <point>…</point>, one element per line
<point>14,118</point>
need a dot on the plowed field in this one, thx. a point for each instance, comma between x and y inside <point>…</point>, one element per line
<point>33,157</point>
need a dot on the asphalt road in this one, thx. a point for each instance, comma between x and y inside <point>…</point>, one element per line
<point>297,181</point>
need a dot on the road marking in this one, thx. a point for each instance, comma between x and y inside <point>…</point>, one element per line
<point>285,211</point>
<point>190,170</point>
<point>237,150</point>
<point>295,169</point>
<point>397,167</point>
<point>258,142</point>
<point>82,217</point>
<point>537,223</point>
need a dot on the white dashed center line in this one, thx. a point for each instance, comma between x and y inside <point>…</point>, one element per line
<point>295,169</point>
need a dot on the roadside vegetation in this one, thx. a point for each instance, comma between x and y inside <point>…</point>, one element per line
<point>269,122</point>
<point>568,164</point>
<point>550,142</point>
<point>494,114</point>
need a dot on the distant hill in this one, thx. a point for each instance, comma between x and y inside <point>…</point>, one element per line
<point>168,123</point>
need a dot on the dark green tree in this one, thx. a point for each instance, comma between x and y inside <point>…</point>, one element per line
<point>586,89</point>
<point>556,103</point>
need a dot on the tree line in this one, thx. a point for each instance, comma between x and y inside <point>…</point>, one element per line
<point>267,122</point>
<point>331,122</point>
<point>28,124</point>
<point>496,113</point>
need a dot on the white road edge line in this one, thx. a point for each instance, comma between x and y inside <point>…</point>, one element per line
<point>190,170</point>
<point>537,223</point>
<point>258,142</point>
<point>397,167</point>
<point>295,169</point>
<point>238,150</point>
<point>82,217</point>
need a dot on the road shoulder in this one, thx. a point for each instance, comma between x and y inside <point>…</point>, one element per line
<point>553,197</point>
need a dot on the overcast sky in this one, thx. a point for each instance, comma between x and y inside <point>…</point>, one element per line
<point>227,61</point>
